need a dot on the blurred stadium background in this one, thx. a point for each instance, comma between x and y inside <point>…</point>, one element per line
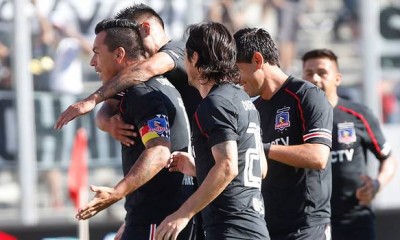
<point>34,159</point>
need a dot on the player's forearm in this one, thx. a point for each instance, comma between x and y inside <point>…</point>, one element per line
<point>105,113</point>
<point>311,156</point>
<point>150,162</point>
<point>126,78</point>
<point>102,122</point>
<point>263,164</point>
<point>387,170</point>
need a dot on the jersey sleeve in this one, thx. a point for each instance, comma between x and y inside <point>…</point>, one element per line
<point>147,109</point>
<point>175,50</point>
<point>375,140</point>
<point>318,117</point>
<point>216,121</point>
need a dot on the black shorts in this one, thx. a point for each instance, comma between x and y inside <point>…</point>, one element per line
<point>319,232</point>
<point>231,232</point>
<point>147,232</point>
<point>365,231</point>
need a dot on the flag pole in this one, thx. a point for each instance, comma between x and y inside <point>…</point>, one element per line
<point>83,227</point>
<point>78,178</point>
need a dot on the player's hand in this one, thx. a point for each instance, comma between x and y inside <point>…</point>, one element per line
<point>101,200</point>
<point>120,232</point>
<point>121,131</point>
<point>366,193</point>
<point>172,225</point>
<point>182,162</point>
<point>73,111</point>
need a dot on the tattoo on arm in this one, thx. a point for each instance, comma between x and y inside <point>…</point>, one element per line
<point>120,82</point>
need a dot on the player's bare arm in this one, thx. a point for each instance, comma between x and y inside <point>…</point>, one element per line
<point>182,162</point>
<point>158,64</point>
<point>263,163</point>
<point>307,155</point>
<point>151,161</point>
<point>139,72</point>
<point>367,192</point>
<point>220,175</point>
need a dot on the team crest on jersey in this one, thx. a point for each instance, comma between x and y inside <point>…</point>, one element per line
<point>346,133</point>
<point>155,127</point>
<point>158,124</point>
<point>282,119</point>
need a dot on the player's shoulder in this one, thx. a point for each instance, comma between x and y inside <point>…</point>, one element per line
<point>222,96</point>
<point>303,89</point>
<point>352,106</point>
<point>299,86</point>
<point>226,93</point>
<point>173,46</point>
<point>154,84</point>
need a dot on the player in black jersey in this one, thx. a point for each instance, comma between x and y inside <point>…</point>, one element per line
<point>166,57</point>
<point>355,131</point>
<point>227,144</point>
<point>151,191</point>
<point>296,123</point>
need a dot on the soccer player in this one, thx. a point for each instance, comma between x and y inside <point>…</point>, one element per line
<point>227,145</point>
<point>355,131</point>
<point>296,124</point>
<point>151,191</point>
<point>165,57</point>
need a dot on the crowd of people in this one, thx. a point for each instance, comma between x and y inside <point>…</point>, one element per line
<point>60,50</point>
<point>271,155</point>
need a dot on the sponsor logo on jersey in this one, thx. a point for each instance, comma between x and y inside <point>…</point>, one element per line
<point>282,119</point>
<point>155,127</point>
<point>344,155</point>
<point>281,141</point>
<point>346,133</point>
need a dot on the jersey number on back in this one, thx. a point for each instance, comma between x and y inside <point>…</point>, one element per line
<point>252,169</point>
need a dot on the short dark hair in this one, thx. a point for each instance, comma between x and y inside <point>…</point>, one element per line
<point>320,53</point>
<point>251,40</point>
<point>216,49</point>
<point>136,11</point>
<point>122,33</point>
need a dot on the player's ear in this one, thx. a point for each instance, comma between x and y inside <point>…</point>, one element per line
<point>119,54</point>
<point>145,26</point>
<point>195,58</point>
<point>338,79</point>
<point>258,60</point>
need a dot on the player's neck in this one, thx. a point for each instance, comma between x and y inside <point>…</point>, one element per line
<point>274,80</point>
<point>205,88</point>
<point>333,99</point>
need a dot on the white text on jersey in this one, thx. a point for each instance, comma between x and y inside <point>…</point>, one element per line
<point>342,155</point>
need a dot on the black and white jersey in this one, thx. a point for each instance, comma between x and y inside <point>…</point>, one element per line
<point>355,131</point>
<point>227,114</point>
<point>296,197</point>
<point>178,77</point>
<point>156,110</point>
